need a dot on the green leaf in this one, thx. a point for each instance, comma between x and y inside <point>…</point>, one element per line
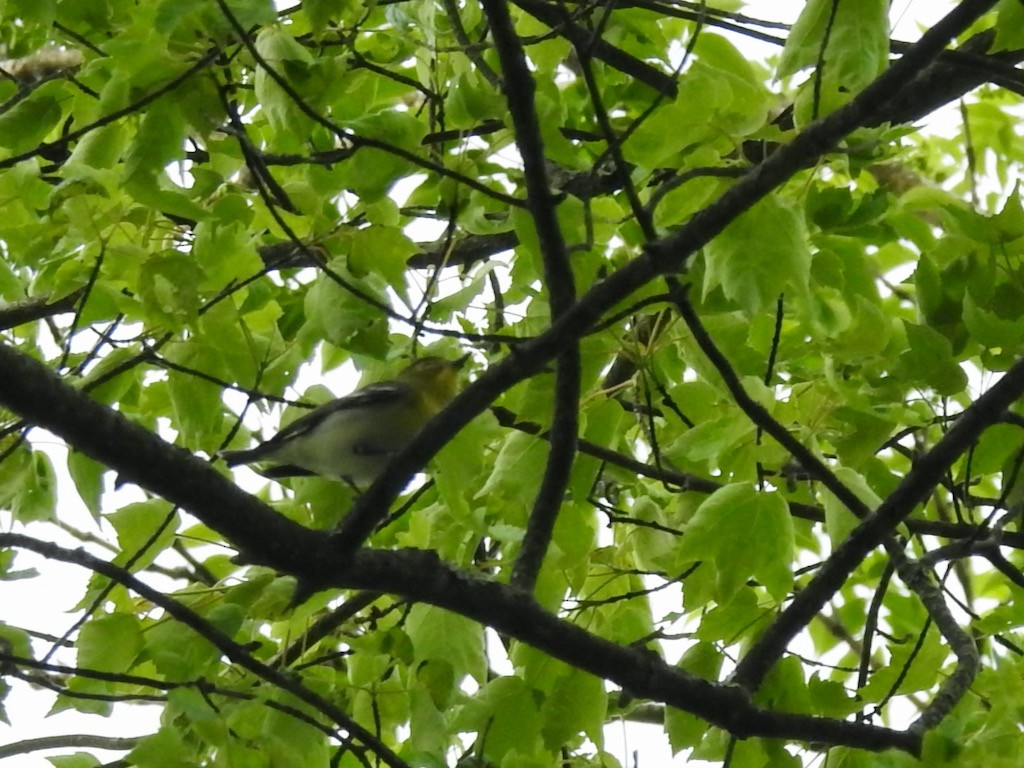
<point>745,533</point>
<point>31,120</point>
<point>348,321</point>
<point>164,749</point>
<point>28,485</point>
<point>169,288</point>
<point>577,703</point>
<point>222,245</point>
<point>908,675</point>
<point>15,641</point>
<point>109,643</point>
<point>784,688</point>
<point>438,679</point>
<point>371,171</point>
<point>929,361</point>
<point>202,716</point>
<point>77,760</point>
<point>839,520</point>
<point>997,445</point>
<point>290,61</point>
<point>1009,26</point>
<point>292,743</point>
<point>504,710</point>
<point>830,698</point>
<point>856,41</point>
<point>990,330</point>
<point>158,141</point>
<point>196,408</point>
<point>722,86</point>
<point>146,524</point>
<point>668,132</point>
<point>653,547</point>
<point>471,100</point>
<point>759,255</point>
<point>320,13</point>
<point>519,456</point>
<point>382,250</point>
<point>710,440</point>
<point>40,12</point>
<point>1010,219</point>
<point>742,101</point>
<point>177,652</point>
<point>88,477</point>
<point>101,148</point>
<point>438,634</point>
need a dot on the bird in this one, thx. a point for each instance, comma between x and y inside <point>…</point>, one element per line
<point>354,437</point>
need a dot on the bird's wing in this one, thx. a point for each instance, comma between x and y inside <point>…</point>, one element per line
<point>374,395</point>
<point>285,470</point>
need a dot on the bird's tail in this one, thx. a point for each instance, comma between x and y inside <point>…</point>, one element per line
<point>245,456</point>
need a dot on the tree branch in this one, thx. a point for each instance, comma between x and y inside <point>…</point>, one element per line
<point>556,17</point>
<point>28,746</point>
<point>758,414</point>
<point>670,254</point>
<point>519,89</point>
<point>37,308</point>
<point>913,490</point>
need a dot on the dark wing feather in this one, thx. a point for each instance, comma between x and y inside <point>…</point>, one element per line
<point>373,395</point>
<point>285,470</point>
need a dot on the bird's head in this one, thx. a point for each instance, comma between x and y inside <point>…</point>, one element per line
<point>435,377</point>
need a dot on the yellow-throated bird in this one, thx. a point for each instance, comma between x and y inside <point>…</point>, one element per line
<point>354,437</point>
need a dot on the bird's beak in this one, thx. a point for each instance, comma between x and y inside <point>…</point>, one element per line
<point>457,364</point>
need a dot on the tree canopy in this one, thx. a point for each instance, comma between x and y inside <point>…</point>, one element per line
<point>738,451</point>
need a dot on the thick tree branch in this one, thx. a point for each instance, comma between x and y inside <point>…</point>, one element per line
<point>422,576</point>
<point>668,255</point>
<point>31,390</point>
<point>519,89</point>
<point>952,75</point>
<point>29,310</point>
